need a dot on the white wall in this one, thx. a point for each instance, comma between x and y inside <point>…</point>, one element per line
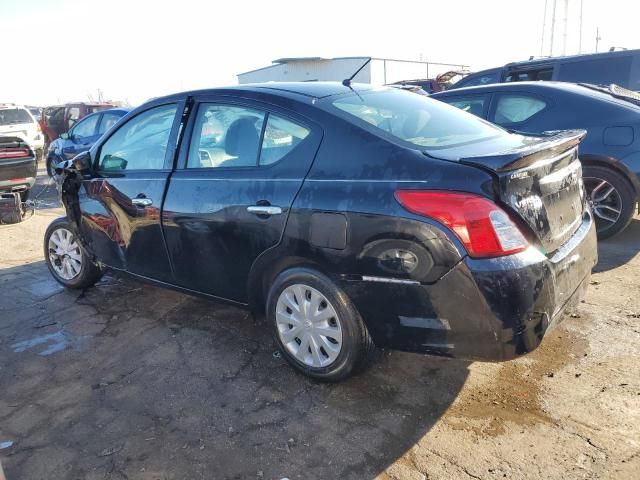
<point>308,70</point>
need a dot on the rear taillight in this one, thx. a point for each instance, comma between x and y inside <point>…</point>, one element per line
<point>484,228</point>
<point>14,153</point>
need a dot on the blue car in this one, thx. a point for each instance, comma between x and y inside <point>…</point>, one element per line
<point>82,136</point>
<point>610,152</point>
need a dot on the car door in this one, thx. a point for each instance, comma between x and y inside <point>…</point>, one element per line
<point>121,211</point>
<point>241,165</point>
<point>521,111</point>
<point>81,137</point>
<point>474,103</point>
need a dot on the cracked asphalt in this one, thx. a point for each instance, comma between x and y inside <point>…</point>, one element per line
<point>129,381</point>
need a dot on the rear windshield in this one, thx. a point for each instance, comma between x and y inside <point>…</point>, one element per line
<point>14,115</point>
<point>416,119</point>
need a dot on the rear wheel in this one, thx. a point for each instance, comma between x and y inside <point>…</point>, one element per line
<point>67,260</point>
<point>317,328</point>
<point>612,199</point>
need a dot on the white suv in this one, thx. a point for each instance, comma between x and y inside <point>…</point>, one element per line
<point>17,121</point>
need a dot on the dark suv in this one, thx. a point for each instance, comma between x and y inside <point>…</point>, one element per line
<point>621,68</point>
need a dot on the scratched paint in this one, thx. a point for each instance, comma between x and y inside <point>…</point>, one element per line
<point>55,342</point>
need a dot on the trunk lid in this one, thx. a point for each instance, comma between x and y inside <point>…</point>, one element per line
<point>538,177</point>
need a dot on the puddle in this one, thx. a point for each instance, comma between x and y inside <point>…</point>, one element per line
<point>56,342</point>
<point>45,288</point>
<point>515,394</point>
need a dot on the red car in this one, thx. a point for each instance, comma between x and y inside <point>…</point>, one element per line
<point>59,119</point>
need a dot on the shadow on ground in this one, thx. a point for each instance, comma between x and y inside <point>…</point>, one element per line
<point>618,250</point>
<point>132,381</point>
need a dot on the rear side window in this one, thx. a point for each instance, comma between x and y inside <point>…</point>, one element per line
<point>517,108</point>
<point>419,120</point>
<point>602,71</point>
<point>530,75</point>
<point>225,136</point>
<point>471,104</point>
<point>108,121</point>
<point>86,127</point>
<point>230,136</point>
<point>141,143</point>
<point>73,115</point>
<point>281,136</point>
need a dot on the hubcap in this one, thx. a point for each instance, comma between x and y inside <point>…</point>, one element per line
<point>64,254</point>
<point>605,200</point>
<point>308,325</point>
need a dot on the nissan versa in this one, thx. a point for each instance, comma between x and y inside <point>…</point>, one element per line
<point>351,216</point>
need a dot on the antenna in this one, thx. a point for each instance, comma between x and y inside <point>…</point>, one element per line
<point>544,26</point>
<point>553,27</point>
<point>580,41</point>
<point>565,22</point>
<point>347,81</point>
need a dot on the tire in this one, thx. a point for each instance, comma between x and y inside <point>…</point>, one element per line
<point>52,161</point>
<point>355,348</point>
<point>88,272</point>
<point>622,199</point>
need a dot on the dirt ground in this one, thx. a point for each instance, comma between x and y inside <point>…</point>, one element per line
<point>128,381</point>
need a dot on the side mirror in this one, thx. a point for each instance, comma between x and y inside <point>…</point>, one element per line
<point>111,162</point>
<point>79,163</point>
<point>65,136</point>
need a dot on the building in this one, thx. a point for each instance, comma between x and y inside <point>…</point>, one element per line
<point>379,71</point>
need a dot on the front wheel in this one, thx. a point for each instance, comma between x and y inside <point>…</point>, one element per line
<point>68,262</point>
<point>317,328</point>
<point>612,199</point>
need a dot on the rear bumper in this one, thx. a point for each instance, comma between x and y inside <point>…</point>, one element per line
<point>483,309</point>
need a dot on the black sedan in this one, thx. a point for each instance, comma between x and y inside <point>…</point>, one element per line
<point>610,153</point>
<point>352,217</point>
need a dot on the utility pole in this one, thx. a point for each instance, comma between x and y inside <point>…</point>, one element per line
<point>598,38</point>
<point>580,41</point>
<point>544,27</point>
<point>553,27</point>
<point>565,22</point>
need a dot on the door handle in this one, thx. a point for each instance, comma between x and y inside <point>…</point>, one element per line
<point>264,210</point>
<point>142,202</point>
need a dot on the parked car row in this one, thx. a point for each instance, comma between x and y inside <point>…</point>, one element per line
<point>610,152</point>
<point>352,217</point>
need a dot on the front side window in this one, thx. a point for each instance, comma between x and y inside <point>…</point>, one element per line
<point>141,143</point>
<point>471,104</point>
<point>225,136</point>
<point>423,122</point>
<point>517,108</point>
<point>85,128</point>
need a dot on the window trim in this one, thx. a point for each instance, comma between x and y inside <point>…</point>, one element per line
<point>223,100</point>
<point>177,119</point>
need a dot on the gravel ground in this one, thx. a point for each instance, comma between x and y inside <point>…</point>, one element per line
<point>129,381</point>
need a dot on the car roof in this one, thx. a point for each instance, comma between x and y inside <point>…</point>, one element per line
<point>281,89</point>
<point>581,56</point>
<point>539,86</point>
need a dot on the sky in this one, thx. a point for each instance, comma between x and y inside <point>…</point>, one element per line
<point>133,50</point>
